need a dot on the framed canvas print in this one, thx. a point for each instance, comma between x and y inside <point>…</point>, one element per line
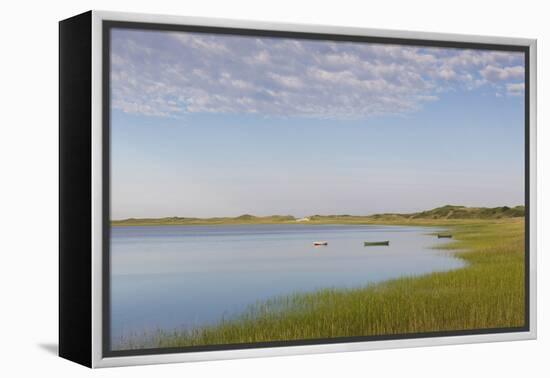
<point>238,189</point>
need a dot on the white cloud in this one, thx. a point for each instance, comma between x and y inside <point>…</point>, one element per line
<point>262,57</point>
<point>201,42</point>
<point>168,74</point>
<point>287,81</point>
<point>515,89</point>
<point>447,73</point>
<point>494,73</point>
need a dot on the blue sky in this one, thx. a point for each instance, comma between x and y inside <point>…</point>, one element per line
<point>209,125</point>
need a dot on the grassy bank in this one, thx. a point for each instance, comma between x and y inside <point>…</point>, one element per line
<point>487,293</point>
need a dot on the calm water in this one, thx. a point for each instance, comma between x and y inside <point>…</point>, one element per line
<point>187,276</point>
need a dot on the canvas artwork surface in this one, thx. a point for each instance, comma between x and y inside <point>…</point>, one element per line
<point>268,189</point>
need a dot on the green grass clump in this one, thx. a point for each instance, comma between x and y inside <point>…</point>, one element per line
<point>487,293</point>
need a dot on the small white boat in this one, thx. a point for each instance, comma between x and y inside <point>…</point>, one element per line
<point>318,243</point>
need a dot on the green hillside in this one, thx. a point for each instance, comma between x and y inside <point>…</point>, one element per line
<point>447,212</point>
<point>462,212</point>
<point>243,219</point>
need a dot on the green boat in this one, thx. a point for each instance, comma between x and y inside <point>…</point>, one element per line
<point>439,236</point>
<point>371,244</point>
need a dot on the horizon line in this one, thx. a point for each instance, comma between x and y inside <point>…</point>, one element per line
<point>312,215</point>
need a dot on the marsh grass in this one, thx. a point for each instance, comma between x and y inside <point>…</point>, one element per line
<point>487,293</point>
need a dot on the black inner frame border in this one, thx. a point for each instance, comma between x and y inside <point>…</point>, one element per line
<point>108,25</point>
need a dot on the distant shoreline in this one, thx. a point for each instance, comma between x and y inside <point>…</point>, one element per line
<point>449,213</point>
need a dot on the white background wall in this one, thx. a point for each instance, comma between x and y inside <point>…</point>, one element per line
<point>28,190</point>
